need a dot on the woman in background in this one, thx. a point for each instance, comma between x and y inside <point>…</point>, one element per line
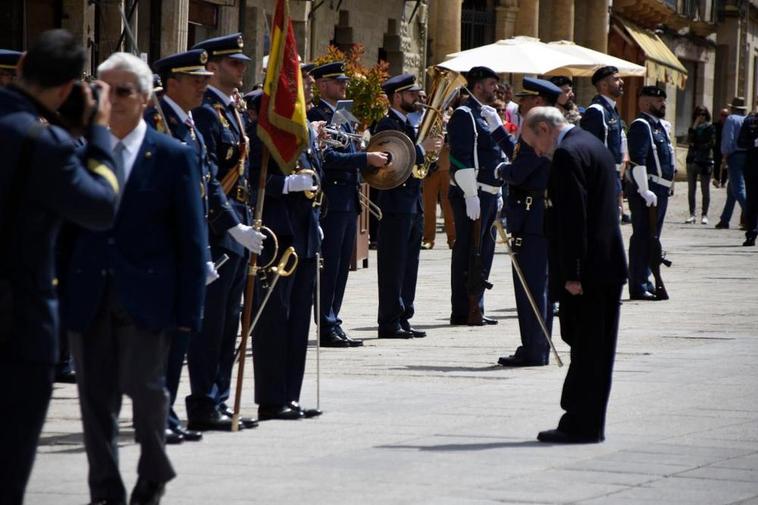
<point>701,139</point>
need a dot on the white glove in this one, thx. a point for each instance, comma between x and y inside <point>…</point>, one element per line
<point>473,209</point>
<point>494,121</point>
<point>320,232</point>
<point>639,174</point>
<point>298,182</point>
<point>211,274</point>
<point>499,202</point>
<point>248,237</point>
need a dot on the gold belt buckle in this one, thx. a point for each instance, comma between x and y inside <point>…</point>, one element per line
<point>242,194</point>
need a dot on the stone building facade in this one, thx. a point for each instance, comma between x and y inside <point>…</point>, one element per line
<point>391,30</point>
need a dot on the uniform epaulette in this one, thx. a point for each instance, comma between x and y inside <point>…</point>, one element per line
<point>158,121</point>
<point>220,110</point>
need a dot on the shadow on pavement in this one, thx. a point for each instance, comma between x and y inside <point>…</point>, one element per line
<point>468,447</point>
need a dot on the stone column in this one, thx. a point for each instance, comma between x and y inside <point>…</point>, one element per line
<point>506,15</point>
<point>174,22</point>
<point>228,19</point>
<point>79,18</point>
<point>562,22</point>
<point>596,36</point>
<point>528,18</point>
<point>110,27</point>
<point>445,31</point>
<point>299,11</point>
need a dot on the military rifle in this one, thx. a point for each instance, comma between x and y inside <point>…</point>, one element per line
<point>657,256</point>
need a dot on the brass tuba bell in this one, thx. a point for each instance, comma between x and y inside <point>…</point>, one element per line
<point>443,90</point>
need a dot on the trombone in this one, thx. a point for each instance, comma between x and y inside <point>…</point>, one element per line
<point>338,138</point>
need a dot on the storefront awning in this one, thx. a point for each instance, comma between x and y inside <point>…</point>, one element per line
<point>661,63</point>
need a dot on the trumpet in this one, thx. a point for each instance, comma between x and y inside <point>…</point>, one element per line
<point>341,139</point>
<point>372,208</point>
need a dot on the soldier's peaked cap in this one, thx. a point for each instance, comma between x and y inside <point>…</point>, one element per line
<point>541,87</point>
<point>402,82</point>
<point>9,59</point>
<point>333,70</point>
<point>190,62</point>
<point>228,45</point>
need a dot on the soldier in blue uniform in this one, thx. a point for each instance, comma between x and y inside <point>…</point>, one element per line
<point>8,61</point>
<point>527,176</point>
<point>341,207</point>
<point>652,175</point>
<point>602,118</point>
<point>43,182</point>
<point>474,186</point>
<point>185,79</point>
<point>402,225</point>
<point>280,339</point>
<point>210,357</point>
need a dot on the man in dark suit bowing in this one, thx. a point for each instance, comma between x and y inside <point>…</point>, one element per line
<point>402,225</point>
<point>587,267</point>
<point>131,285</point>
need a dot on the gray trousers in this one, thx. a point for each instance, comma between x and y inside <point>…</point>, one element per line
<point>114,357</point>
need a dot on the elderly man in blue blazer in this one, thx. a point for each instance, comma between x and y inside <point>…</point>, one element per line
<point>133,284</point>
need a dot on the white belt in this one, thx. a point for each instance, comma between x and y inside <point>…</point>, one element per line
<point>660,180</point>
<point>487,188</point>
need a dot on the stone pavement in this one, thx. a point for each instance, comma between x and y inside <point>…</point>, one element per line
<point>435,421</point>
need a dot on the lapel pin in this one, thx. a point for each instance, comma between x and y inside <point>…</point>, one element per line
<point>148,154</point>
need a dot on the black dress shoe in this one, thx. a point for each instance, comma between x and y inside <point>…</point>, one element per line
<point>458,321</point>
<point>187,435</point>
<point>644,296</point>
<point>66,377</point>
<point>147,492</point>
<point>215,421</point>
<point>398,333</point>
<point>351,342</point>
<point>489,320</point>
<point>281,412</point>
<point>173,438</point>
<point>517,361</point>
<point>333,340</point>
<point>306,413</point>
<point>749,242</point>
<point>561,437</point>
<point>416,333</point>
<point>107,502</point>
<point>245,422</point>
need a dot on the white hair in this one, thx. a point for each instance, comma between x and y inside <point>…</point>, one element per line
<point>130,63</point>
<point>550,115</point>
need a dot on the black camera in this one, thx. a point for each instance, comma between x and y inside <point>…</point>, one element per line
<point>72,111</point>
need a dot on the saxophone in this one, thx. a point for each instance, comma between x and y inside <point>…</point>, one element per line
<point>444,88</point>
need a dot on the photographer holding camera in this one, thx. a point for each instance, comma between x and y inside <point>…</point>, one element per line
<point>43,181</point>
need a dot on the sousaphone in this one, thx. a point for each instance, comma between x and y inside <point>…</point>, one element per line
<point>402,158</point>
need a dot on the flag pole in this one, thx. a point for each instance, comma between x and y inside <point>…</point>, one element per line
<point>252,272</point>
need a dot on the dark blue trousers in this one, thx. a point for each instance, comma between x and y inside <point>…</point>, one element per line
<point>532,257</point>
<point>639,242</point>
<point>337,249</point>
<point>397,267</point>
<point>176,353</point>
<point>589,325</point>
<point>28,387</point>
<point>210,357</point>
<point>280,338</point>
<point>462,247</point>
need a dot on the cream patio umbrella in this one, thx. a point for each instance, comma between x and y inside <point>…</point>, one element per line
<point>595,60</point>
<point>518,55</point>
